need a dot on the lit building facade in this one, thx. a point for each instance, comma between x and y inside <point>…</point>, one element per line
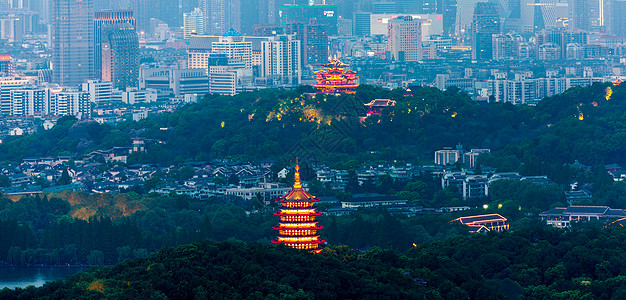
<point>297,227</point>
<point>484,223</point>
<point>335,78</point>
<point>563,217</point>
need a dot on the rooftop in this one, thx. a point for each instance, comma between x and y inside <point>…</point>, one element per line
<point>481,218</point>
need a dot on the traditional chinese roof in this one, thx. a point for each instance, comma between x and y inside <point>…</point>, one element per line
<point>601,211</point>
<point>335,63</point>
<point>478,228</point>
<point>481,219</point>
<point>381,102</point>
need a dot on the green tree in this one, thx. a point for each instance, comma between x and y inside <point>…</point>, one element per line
<point>65,178</point>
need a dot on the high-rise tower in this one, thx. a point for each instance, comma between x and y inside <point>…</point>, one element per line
<point>72,38</point>
<point>102,21</point>
<point>193,23</point>
<point>215,16</point>
<point>297,227</point>
<point>404,40</point>
<point>485,24</point>
<point>120,56</point>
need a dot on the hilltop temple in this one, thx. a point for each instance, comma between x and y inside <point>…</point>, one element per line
<point>297,227</point>
<point>336,78</point>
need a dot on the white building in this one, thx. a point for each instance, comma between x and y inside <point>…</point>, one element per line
<point>432,24</point>
<point>223,80</point>
<point>71,102</point>
<point>469,158</point>
<point>239,51</point>
<point>447,156</point>
<point>174,81</point>
<point>282,59</point>
<point>45,101</point>
<point>135,96</point>
<point>99,91</point>
<point>7,84</point>
<point>530,91</point>
<point>404,38</point>
<point>267,192</point>
<point>30,101</point>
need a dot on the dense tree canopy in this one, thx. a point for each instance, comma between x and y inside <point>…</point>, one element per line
<point>538,263</point>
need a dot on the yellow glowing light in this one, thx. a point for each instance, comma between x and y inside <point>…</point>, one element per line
<point>454,114</point>
<point>414,245</point>
<point>222,124</point>
<point>297,211</point>
<point>609,92</point>
<point>297,225</point>
<point>500,205</point>
<point>580,116</point>
<point>485,206</point>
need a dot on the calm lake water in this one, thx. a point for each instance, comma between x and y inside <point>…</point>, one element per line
<point>14,277</point>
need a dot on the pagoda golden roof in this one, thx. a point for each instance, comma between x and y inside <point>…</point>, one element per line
<point>335,63</point>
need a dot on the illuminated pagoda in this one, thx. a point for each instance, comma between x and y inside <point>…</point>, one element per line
<point>297,227</point>
<point>335,78</point>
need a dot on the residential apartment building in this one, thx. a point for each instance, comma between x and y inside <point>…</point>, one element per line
<point>281,60</point>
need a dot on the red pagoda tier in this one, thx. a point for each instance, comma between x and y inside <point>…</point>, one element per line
<point>335,78</point>
<point>297,227</point>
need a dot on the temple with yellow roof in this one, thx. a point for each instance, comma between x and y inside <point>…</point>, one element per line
<point>297,227</point>
<point>336,78</point>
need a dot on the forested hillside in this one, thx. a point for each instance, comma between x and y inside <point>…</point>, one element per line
<point>580,124</point>
<point>540,263</point>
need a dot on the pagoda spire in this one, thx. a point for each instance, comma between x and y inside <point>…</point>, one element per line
<point>297,184</point>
